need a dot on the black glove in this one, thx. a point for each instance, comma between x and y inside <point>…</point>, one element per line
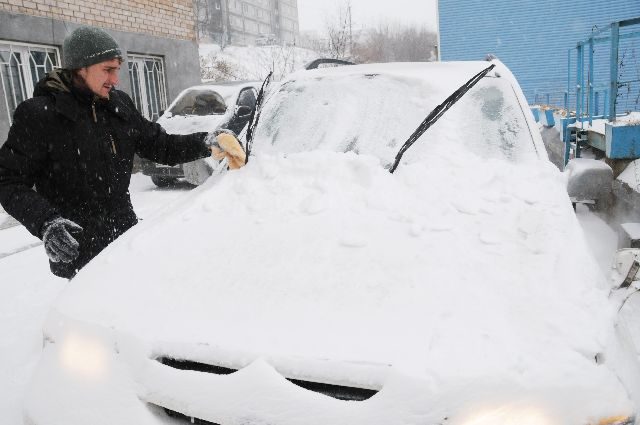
<point>58,242</point>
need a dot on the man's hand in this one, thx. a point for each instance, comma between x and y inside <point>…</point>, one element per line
<point>58,242</point>
<point>226,145</point>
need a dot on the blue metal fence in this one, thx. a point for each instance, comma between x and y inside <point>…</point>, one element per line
<point>602,83</point>
<point>596,93</point>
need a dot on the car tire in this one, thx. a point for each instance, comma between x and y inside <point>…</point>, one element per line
<point>163,181</point>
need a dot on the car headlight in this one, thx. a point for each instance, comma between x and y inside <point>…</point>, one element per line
<point>509,416</point>
<point>530,416</point>
<point>84,356</point>
<point>617,420</point>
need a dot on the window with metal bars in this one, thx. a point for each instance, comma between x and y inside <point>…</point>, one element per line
<point>148,89</point>
<point>22,65</point>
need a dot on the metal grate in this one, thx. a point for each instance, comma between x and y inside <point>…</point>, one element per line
<point>199,367</point>
<point>21,67</point>
<point>148,85</point>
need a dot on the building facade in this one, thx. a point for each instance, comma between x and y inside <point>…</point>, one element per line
<point>531,38</point>
<point>158,37</point>
<point>245,22</point>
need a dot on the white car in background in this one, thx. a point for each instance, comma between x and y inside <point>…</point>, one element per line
<point>313,286</point>
<point>203,108</point>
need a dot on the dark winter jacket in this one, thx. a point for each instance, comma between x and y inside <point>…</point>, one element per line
<point>70,154</point>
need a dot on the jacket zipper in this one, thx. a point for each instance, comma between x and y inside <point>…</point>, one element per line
<point>107,175</point>
<point>95,119</point>
<point>113,145</point>
<point>93,109</point>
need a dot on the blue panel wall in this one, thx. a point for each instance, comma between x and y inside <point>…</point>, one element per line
<point>532,37</point>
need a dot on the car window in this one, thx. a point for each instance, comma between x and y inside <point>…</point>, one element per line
<point>199,102</point>
<point>247,97</point>
<point>500,124</point>
<point>375,114</point>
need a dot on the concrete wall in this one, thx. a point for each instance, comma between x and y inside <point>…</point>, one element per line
<point>248,20</point>
<point>182,67</point>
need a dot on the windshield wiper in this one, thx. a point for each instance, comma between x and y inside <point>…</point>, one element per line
<point>437,113</point>
<point>255,115</point>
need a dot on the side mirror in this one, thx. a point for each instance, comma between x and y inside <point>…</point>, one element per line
<point>589,181</point>
<point>243,112</point>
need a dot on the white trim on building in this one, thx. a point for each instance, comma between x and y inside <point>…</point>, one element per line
<point>22,65</point>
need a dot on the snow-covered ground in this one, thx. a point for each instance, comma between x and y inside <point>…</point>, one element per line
<point>602,239</point>
<point>28,289</point>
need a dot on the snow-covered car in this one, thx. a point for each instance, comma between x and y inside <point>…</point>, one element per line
<point>203,108</point>
<point>313,286</point>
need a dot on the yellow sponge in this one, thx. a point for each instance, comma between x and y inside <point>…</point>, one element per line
<point>230,149</point>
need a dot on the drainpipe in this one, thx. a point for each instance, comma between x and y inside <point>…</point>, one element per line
<point>438,44</point>
<point>590,83</point>
<point>226,32</point>
<point>613,70</point>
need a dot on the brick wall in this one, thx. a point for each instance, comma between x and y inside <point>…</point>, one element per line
<point>164,18</point>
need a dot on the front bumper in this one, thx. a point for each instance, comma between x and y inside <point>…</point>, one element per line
<point>95,376</point>
<point>139,390</point>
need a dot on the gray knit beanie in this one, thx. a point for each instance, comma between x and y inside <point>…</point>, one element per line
<point>87,46</point>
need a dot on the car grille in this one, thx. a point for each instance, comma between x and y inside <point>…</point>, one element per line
<point>198,367</point>
<point>339,392</point>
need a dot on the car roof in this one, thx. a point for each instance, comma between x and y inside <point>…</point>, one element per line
<point>227,89</point>
<point>230,83</point>
<point>224,87</point>
<point>446,71</point>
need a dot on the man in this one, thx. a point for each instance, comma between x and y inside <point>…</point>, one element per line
<point>66,165</point>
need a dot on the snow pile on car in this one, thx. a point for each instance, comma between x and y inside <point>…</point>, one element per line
<point>462,277</point>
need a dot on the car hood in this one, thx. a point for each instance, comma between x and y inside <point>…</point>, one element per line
<point>181,124</point>
<point>453,270</point>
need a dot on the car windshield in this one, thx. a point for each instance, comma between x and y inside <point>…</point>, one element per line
<point>376,113</point>
<point>199,102</point>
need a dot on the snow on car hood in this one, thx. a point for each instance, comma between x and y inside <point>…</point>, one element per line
<point>455,269</point>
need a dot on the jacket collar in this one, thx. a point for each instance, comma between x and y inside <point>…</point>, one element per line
<point>67,105</point>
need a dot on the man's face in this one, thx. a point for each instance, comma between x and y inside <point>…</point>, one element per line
<point>101,77</point>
